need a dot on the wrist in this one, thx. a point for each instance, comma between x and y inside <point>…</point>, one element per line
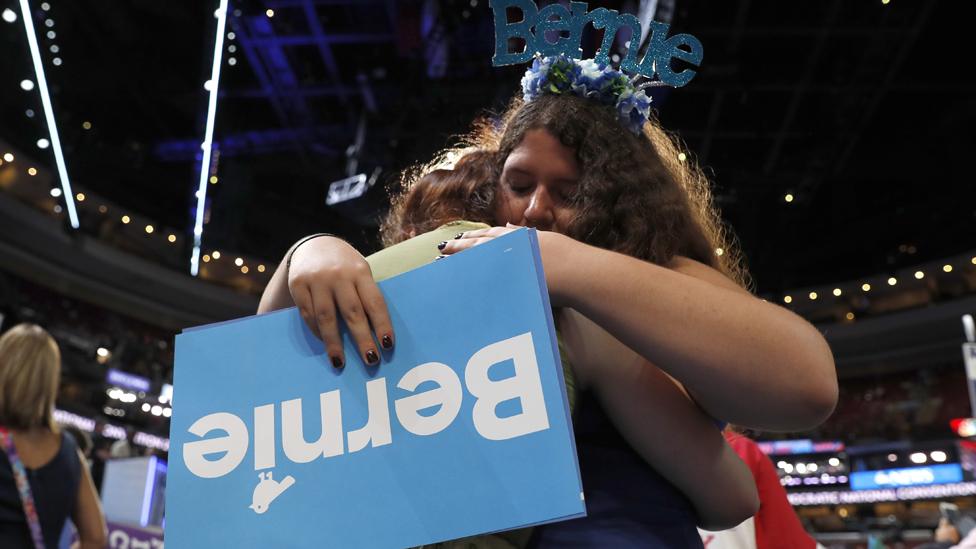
<point>560,255</point>
<point>303,243</point>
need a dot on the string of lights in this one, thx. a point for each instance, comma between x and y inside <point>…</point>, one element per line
<point>55,140</point>
<point>207,146</point>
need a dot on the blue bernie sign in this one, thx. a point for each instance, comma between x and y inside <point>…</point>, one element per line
<point>463,429</point>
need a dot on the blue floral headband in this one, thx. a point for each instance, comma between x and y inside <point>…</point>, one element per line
<point>562,75</point>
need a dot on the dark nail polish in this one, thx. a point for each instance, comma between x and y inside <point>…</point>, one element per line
<point>442,245</point>
<point>372,357</point>
<point>337,362</point>
<point>457,236</point>
<point>387,342</point>
<point>439,257</point>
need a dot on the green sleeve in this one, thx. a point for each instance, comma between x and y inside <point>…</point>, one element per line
<point>416,252</point>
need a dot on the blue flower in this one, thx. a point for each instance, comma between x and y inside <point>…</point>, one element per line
<point>587,78</point>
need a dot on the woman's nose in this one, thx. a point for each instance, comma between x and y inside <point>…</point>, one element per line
<point>539,211</point>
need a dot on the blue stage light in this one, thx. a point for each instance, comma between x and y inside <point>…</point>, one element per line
<point>69,197</point>
<point>201,194</point>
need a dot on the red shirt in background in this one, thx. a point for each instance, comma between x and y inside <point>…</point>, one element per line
<point>777,525</point>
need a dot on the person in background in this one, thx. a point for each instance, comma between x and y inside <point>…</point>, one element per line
<point>44,478</point>
<point>82,439</point>
<point>775,525</point>
<point>125,448</point>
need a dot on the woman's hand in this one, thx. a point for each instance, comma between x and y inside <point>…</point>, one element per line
<point>553,247</point>
<point>328,278</point>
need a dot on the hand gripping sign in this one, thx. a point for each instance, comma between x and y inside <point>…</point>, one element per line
<point>463,429</point>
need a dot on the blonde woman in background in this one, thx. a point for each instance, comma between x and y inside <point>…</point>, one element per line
<point>58,484</point>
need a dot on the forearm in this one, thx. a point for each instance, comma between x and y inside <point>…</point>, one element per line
<point>746,361</point>
<point>276,295</point>
<point>680,442</point>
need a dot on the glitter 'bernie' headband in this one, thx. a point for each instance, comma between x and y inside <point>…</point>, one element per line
<point>557,69</point>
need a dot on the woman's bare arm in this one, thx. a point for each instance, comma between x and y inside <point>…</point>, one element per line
<point>88,517</point>
<point>662,424</point>
<point>746,361</point>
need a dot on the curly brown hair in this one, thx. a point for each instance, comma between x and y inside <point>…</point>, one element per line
<point>636,195</point>
<point>440,195</point>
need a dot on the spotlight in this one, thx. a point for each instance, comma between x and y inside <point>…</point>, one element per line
<point>244,269</point>
<point>55,192</point>
<point>149,229</point>
<point>43,143</point>
<point>232,61</point>
<point>51,35</point>
<point>788,299</point>
<point>103,352</point>
<point>54,48</point>
<point>80,197</point>
<point>788,197</point>
<point>918,457</point>
<point>837,292</point>
<point>207,144</point>
<point>146,407</point>
<point>682,157</point>
<point>156,410</point>
<point>86,125</point>
<point>7,157</point>
<point>719,251</point>
<point>938,456</point>
<point>9,16</point>
<point>833,462</point>
<point>52,132</point>
<point>947,268</point>
<point>32,171</point>
<point>260,268</point>
<point>56,61</point>
<point>205,258</point>
<point>171,238</point>
<point>849,316</point>
<point>238,262</point>
<point>167,412</point>
<point>27,85</point>
<point>892,281</point>
<point>813,296</point>
<point>216,254</point>
<point>866,287</point>
<point>126,219</point>
<point>269,12</point>
<point>919,275</point>
<point>892,458</point>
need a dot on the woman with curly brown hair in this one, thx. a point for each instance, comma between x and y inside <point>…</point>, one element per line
<point>628,238</point>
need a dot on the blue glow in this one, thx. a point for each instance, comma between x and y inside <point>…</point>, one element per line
<point>907,476</point>
<point>69,197</point>
<point>221,15</point>
<point>148,490</point>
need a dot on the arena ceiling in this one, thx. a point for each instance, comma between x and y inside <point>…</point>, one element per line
<point>862,111</point>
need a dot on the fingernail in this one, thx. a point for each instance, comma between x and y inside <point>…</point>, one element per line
<point>442,245</point>
<point>337,361</point>
<point>372,357</point>
<point>387,342</point>
<point>442,256</point>
<point>457,236</point>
